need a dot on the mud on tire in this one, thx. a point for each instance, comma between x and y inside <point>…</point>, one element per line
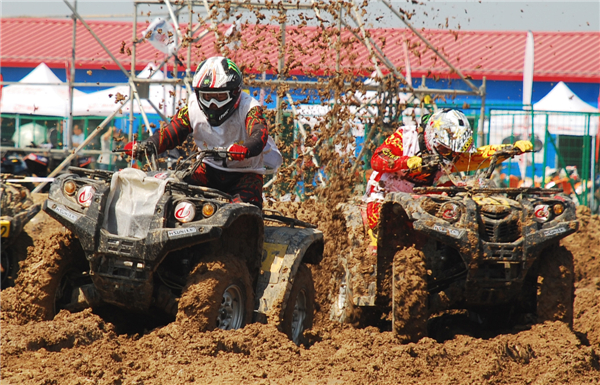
<point>555,289</point>
<point>299,311</point>
<point>410,296</point>
<point>45,276</point>
<point>209,298</point>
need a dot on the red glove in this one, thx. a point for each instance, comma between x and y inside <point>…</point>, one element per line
<point>129,149</point>
<point>237,152</point>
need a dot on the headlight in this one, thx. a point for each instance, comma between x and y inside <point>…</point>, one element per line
<point>185,212</point>
<point>450,211</point>
<point>70,187</point>
<point>558,208</point>
<point>208,210</point>
<point>541,213</point>
<point>85,195</point>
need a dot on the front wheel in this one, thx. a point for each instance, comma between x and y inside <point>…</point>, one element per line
<point>218,295</point>
<point>48,279</point>
<point>299,311</point>
<point>555,286</point>
<point>410,296</point>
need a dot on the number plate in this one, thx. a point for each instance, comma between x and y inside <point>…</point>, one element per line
<point>273,254</point>
<point>5,228</point>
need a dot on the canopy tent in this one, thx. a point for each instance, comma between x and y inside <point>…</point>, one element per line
<point>104,102</point>
<point>561,98</point>
<point>29,98</point>
<point>561,110</point>
<point>32,97</point>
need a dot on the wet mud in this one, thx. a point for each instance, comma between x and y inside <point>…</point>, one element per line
<point>85,347</point>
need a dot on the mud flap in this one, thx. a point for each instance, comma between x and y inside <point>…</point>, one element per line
<point>283,251</point>
<point>354,288</point>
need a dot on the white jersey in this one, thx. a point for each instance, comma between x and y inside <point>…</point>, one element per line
<point>233,130</point>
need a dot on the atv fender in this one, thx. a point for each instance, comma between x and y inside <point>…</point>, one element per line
<point>284,249</point>
<point>402,205</point>
<point>11,227</point>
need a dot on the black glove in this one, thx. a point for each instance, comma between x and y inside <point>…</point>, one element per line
<point>149,148</point>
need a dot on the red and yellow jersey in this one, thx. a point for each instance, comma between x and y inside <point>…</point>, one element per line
<point>394,153</point>
<point>393,175</point>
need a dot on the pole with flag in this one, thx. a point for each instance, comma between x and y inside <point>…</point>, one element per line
<point>407,63</point>
<point>527,91</point>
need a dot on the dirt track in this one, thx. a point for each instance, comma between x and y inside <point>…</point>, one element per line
<point>84,348</point>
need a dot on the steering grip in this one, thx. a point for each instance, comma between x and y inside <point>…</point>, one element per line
<point>510,151</point>
<point>430,162</point>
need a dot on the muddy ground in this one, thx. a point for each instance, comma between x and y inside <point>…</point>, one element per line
<point>85,348</point>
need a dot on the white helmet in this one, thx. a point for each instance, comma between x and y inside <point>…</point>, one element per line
<point>448,130</point>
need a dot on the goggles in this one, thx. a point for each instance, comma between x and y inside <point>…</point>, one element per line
<point>217,98</point>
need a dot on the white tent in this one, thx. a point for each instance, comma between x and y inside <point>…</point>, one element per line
<point>28,98</point>
<point>104,102</point>
<point>561,98</point>
<point>566,114</point>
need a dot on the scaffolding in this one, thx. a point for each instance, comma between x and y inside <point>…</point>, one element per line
<point>345,13</point>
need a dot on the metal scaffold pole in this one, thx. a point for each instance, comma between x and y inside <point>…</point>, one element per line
<point>283,84</point>
<point>68,130</point>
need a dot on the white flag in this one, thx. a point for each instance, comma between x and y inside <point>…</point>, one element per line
<point>162,36</point>
<point>528,71</point>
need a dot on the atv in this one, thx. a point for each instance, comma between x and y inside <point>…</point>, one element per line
<point>17,209</point>
<point>467,246</point>
<point>154,243</point>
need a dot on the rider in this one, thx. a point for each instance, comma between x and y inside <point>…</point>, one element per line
<point>219,114</point>
<point>398,162</point>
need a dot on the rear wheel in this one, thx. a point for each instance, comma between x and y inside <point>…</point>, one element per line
<point>218,295</point>
<point>555,289</point>
<point>410,296</point>
<point>299,311</point>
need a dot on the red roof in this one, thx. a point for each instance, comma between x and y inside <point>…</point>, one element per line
<point>497,55</point>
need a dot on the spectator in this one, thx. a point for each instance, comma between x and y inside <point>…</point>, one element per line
<point>78,136</point>
<point>106,159</point>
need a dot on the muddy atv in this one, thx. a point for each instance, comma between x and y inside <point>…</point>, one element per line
<point>17,209</point>
<point>153,243</point>
<point>493,252</point>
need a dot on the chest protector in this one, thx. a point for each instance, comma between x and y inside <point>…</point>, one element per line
<point>233,130</point>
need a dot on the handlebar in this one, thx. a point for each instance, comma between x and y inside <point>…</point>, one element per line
<point>505,152</point>
<point>431,163</point>
<point>149,150</point>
